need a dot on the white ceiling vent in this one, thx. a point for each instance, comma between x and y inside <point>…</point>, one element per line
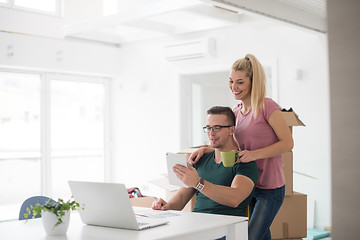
<point>195,49</point>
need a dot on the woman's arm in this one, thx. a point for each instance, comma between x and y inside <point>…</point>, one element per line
<point>195,156</point>
<point>285,143</point>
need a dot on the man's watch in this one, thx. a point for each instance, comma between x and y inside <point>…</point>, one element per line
<point>200,185</point>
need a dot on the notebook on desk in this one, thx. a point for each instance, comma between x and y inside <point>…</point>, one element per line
<point>108,205</point>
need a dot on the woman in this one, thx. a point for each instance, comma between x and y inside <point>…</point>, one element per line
<point>262,136</point>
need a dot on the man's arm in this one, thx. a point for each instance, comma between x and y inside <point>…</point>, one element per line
<point>181,198</point>
<point>177,202</point>
<point>232,196</point>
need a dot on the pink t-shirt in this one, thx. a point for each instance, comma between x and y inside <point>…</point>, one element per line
<point>252,134</point>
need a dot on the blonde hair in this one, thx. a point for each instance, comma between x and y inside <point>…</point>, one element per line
<point>255,71</point>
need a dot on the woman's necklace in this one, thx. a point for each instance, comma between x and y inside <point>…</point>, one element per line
<point>244,110</point>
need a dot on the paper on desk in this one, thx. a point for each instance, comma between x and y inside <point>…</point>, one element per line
<point>172,159</point>
<point>155,213</point>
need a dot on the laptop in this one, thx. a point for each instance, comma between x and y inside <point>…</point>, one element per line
<point>108,205</point>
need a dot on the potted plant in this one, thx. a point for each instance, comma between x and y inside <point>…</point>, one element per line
<point>55,214</point>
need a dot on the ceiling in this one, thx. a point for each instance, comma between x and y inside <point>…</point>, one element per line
<point>316,7</point>
<point>158,18</point>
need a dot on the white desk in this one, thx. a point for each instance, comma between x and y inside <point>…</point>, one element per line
<point>187,226</point>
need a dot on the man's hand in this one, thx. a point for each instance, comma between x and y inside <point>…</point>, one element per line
<point>188,175</point>
<point>160,204</point>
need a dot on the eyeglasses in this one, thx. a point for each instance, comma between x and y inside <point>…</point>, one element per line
<point>215,128</point>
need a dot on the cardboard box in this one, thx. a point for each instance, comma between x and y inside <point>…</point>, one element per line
<point>145,201</point>
<point>292,119</point>
<point>290,222</point>
<point>170,190</point>
<point>287,159</point>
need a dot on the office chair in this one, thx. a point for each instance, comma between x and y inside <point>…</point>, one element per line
<point>32,201</point>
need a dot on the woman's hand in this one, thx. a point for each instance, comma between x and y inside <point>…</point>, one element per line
<point>245,156</point>
<point>195,156</point>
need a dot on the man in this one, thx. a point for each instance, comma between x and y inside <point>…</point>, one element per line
<point>218,189</point>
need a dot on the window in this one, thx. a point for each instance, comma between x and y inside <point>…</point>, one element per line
<point>52,7</point>
<point>19,139</point>
<point>77,133</point>
<point>42,5</point>
<point>52,129</point>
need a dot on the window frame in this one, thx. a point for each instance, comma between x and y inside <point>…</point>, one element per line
<point>59,8</point>
<point>45,95</point>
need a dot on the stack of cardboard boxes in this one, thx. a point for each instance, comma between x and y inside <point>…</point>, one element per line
<point>290,222</point>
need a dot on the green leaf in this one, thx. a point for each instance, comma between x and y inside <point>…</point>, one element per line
<point>58,208</point>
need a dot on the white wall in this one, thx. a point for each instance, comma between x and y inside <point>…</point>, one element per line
<point>145,104</point>
<point>157,104</point>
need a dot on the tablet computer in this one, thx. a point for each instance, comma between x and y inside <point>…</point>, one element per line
<point>172,159</point>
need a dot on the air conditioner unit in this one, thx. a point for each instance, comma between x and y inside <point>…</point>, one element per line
<point>194,49</point>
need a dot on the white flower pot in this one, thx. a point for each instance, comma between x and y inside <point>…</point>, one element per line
<point>49,220</point>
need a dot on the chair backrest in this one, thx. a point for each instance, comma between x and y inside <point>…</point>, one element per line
<point>32,201</point>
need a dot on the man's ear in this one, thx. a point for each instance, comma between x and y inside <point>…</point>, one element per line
<point>232,130</point>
